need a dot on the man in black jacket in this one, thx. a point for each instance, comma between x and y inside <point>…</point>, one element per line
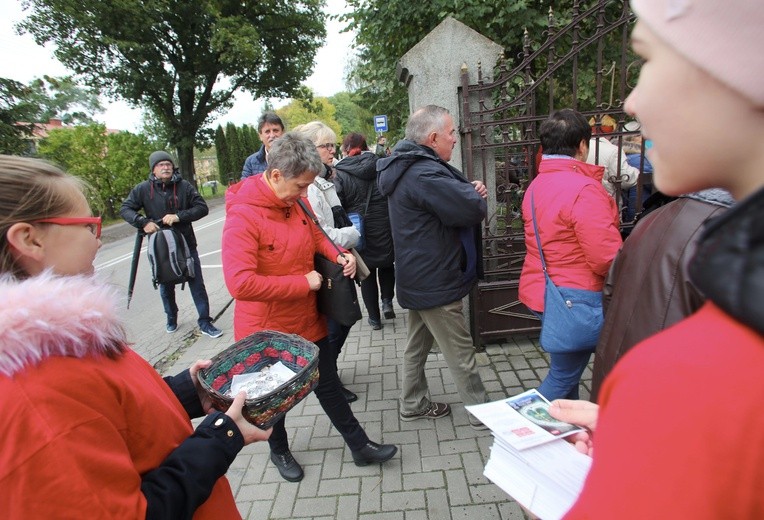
<point>435,214</point>
<point>167,199</point>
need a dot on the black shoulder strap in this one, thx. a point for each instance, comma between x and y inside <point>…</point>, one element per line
<point>312,217</point>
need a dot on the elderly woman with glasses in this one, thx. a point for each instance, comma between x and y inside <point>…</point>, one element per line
<point>326,204</point>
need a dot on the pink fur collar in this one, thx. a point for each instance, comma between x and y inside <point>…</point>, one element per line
<point>49,315</point>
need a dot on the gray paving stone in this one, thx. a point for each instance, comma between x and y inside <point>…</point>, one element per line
<point>438,472</point>
<point>310,507</point>
<point>403,500</point>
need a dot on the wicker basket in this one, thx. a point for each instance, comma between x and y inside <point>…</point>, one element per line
<point>254,353</point>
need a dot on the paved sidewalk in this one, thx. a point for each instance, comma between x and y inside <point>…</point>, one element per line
<point>438,472</point>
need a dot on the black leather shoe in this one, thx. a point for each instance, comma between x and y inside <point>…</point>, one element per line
<point>287,466</point>
<point>374,452</point>
<point>387,309</point>
<point>349,396</point>
<point>375,324</point>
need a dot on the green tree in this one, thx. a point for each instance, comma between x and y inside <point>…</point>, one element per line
<point>301,111</point>
<point>221,150</point>
<point>249,145</point>
<point>62,98</point>
<point>182,60</point>
<point>14,109</point>
<point>385,31</point>
<point>353,117</point>
<point>111,163</point>
<point>126,163</point>
<point>235,151</point>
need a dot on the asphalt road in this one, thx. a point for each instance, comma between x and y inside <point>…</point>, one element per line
<point>145,319</point>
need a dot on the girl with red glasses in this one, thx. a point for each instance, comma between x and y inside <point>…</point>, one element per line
<point>93,428</point>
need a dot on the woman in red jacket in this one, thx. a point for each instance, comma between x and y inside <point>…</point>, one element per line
<point>268,248</point>
<point>578,228</point>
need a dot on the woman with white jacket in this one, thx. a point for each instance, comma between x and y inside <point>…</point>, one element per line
<point>326,205</point>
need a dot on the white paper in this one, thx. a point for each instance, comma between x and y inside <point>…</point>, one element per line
<point>517,429</point>
<point>257,384</point>
<point>534,465</point>
<point>545,479</point>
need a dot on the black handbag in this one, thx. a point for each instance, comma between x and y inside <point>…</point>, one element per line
<point>337,298</point>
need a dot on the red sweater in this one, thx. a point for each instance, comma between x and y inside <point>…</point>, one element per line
<point>688,443</point>
<point>578,226</point>
<point>268,249</point>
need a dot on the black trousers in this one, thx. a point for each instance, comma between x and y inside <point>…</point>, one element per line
<point>370,291</point>
<point>332,401</point>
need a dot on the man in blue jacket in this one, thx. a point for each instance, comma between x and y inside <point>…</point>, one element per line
<point>269,128</point>
<point>168,199</point>
<point>435,214</point>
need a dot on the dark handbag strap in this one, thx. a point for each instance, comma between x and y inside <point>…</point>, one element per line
<point>536,232</point>
<point>315,221</point>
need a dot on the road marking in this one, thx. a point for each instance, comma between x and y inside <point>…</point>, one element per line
<point>129,256</point>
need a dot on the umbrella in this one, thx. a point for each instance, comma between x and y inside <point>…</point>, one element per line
<point>134,265</point>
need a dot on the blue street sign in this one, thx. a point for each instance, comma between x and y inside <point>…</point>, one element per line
<point>380,123</point>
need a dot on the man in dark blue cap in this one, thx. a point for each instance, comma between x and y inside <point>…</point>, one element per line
<point>167,198</point>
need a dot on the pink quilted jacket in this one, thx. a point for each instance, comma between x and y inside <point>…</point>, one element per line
<point>578,227</point>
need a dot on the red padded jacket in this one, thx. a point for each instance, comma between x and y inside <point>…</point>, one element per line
<point>268,248</point>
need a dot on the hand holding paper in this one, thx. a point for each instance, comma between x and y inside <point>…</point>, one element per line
<point>581,413</point>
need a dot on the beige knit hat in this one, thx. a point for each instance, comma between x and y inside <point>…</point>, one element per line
<point>723,37</point>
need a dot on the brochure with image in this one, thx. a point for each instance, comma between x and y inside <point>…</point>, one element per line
<point>530,459</point>
<point>522,421</point>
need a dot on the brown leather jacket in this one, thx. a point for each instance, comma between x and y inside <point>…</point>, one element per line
<point>648,288</point>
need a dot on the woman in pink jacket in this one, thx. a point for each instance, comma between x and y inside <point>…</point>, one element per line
<point>268,248</point>
<point>578,228</point>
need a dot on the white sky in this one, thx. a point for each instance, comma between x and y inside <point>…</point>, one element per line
<point>21,59</point>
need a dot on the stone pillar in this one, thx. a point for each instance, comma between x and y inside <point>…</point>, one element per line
<point>431,69</point>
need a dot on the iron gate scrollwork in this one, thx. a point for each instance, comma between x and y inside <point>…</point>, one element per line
<point>584,63</point>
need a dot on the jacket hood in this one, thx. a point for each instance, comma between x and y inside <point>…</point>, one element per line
<point>253,191</point>
<point>551,165</point>
<point>728,266</point>
<point>363,166</point>
<point>49,315</point>
<point>392,168</point>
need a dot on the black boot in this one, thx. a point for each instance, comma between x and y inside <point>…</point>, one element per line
<point>387,309</point>
<point>374,452</point>
<point>287,466</point>
<point>350,397</point>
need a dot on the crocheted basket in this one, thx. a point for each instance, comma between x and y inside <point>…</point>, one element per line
<point>254,353</point>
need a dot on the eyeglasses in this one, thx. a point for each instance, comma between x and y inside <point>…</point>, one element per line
<point>327,146</point>
<point>92,223</point>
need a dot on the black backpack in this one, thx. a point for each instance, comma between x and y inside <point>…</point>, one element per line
<point>170,257</point>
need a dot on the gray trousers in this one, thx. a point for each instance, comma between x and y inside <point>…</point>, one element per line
<point>447,326</point>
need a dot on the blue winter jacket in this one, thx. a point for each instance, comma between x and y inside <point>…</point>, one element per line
<point>435,215</point>
<point>255,163</point>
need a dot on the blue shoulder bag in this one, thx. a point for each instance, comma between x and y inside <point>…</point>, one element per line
<point>573,318</point>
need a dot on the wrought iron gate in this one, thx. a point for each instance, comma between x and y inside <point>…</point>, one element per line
<point>584,64</point>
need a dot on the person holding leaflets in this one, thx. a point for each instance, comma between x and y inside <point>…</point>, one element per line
<point>679,429</point>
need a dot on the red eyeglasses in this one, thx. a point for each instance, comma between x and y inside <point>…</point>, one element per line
<point>92,223</point>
